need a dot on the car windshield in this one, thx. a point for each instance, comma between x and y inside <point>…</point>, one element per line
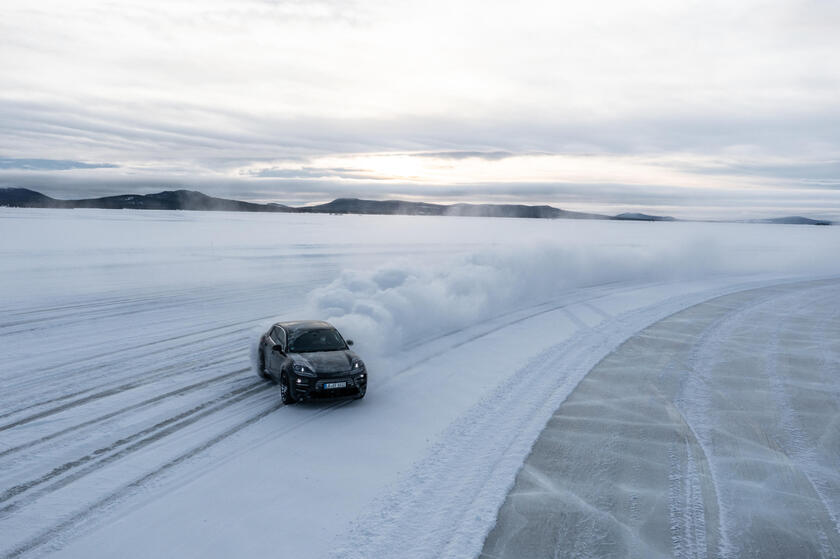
<point>322,339</point>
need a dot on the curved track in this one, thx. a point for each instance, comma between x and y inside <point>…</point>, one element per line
<point>80,454</point>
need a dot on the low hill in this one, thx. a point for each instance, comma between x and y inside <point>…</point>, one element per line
<point>166,200</point>
<point>792,220</point>
<point>197,201</point>
<point>400,207</point>
<point>176,200</point>
<point>375,207</point>
<point>25,198</point>
<point>642,217</point>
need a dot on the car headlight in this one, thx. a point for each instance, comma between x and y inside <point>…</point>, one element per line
<point>358,365</point>
<point>302,370</point>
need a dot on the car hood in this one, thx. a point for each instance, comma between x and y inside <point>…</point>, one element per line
<point>327,361</point>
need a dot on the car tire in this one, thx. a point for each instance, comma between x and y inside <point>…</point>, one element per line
<point>285,391</point>
<point>261,366</point>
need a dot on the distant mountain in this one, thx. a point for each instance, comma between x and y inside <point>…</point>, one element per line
<point>166,200</point>
<point>642,217</point>
<point>377,207</point>
<point>176,200</point>
<point>25,198</point>
<point>517,210</point>
<point>399,207</point>
<point>792,220</point>
<point>197,201</point>
<point>192,200</point>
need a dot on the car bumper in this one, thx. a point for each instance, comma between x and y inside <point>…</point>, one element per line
<point>308,388</point>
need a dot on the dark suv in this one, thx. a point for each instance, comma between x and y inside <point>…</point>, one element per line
<point>310,360</point>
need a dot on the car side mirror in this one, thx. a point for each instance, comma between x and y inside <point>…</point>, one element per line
<point>278,348</point>
<point>349,342</point>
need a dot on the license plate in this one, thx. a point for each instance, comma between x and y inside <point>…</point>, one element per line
<point>328,385</point>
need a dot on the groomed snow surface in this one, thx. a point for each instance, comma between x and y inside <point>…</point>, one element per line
<point>132,423</point>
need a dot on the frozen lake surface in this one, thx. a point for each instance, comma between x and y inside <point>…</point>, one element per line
<point>712,433</point>
<point>132,423</point>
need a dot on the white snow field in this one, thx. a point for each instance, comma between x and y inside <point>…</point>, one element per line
<point>132,423</point>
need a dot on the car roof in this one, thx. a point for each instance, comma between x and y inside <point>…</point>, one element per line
<point>297,325</point>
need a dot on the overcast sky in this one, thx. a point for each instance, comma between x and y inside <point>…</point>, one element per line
<point>691,108</point>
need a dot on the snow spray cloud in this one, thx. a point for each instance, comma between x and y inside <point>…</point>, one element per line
<point>390,307</point>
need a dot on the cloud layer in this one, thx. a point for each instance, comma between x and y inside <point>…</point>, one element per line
<point>301,99</point>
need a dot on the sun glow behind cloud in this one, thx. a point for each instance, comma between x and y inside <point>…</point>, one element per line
<point>438,169</point>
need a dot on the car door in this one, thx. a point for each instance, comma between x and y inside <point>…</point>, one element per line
<point>276,358</point>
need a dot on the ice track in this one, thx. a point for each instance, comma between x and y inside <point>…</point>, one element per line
<point>711,433</point>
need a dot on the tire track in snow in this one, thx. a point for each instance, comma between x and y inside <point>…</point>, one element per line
<point>105,312</point>
<point>686,507</point>
<point>146,379</point>
<point>821,484</point>
<point>95,304</point>
<point>100,306</point>
<point>125,353</point>
<point>113,498</point>
<point>545,306</point>
<point>154,400</point>
<point>694,405</point>
<point>165,372</point>
<point>797,447</point>
<point>105,455</point>
<point>151,375</point>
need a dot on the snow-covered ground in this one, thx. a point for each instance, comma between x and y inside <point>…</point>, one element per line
<point>132,423</point>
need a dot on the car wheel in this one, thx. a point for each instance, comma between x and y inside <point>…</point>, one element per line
<point>261,366</point>
<point>285,391</point>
